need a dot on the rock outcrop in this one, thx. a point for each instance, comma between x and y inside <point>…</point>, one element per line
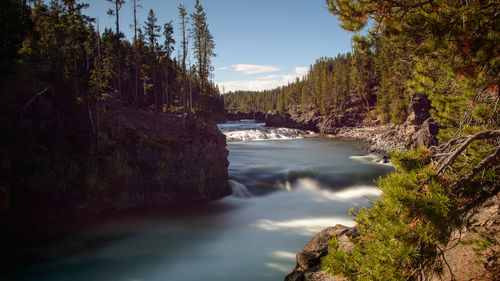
<point>464,259</point>
<point>418,130</point>
<point>240,115</point>
<point>183,160</point>
<point>132,158</point>
<point>309,258</point>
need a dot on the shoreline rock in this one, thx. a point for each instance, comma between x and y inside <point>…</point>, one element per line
<point>419,129</point>
<point>308,266</point>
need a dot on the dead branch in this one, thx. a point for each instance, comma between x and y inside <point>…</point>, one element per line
<point>483,164</point>
<point>479,136</point>
<point>31,100</point>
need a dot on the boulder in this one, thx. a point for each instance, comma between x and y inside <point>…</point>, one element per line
<point>275,119</point>
<point>309,258</point>
<point>426,135</point>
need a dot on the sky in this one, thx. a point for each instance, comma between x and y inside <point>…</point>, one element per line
<point>260,44</point>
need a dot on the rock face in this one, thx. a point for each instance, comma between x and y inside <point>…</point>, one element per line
<point>418,130</point>
<point>184,161</point>
<point>133,159</point>
<point>240,115</point>
<point>426,134</point>
<point>309,258</point>
<point>259,117</point>
<point>462,258</point>
<point>419,109</point>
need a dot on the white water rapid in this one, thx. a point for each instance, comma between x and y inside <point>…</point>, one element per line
<point>251,131</point>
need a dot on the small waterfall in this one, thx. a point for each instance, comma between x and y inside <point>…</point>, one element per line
<point>239,189</point>
<point>251,131</point>
<point>265,133</point>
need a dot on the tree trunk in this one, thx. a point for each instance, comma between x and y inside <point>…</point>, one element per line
<point>136,94</point>
<point>118,52</point>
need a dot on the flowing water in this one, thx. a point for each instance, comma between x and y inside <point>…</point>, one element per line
<point>286,189</point>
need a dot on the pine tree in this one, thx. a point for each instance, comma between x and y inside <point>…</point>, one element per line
<point>168,47</point>
<point>203,45</point>
<point>136,63</point>
<point>183,18</point>
<point>116,12</point>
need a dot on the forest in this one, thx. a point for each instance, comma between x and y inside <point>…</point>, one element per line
<point>374,69</point>
<point>63,48</point>
<point>60,73</point>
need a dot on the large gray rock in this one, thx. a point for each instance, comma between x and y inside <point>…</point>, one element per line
<point>309,258</point>
<point>426,135</point>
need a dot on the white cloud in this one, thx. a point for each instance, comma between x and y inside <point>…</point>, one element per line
<point>254,69</point>
<point>264,82</point>
<point>223,68</point>
<point>269,77</point>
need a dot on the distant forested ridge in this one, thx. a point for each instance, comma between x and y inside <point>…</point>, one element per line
<point>331,83</point>
<point>61,76</point>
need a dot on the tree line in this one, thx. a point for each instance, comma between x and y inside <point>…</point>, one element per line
<point>331,84</point>
<point>91,66</point>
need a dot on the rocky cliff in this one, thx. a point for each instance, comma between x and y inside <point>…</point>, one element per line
<point>66,164</point>
<point>171,161</point>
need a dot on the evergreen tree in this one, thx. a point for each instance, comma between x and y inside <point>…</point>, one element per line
<point>203,46</point>
<point>168,48</point>
<point>152,31</point>
<point>116,12</point>
<point>183,18</point>
<point>136,63</point>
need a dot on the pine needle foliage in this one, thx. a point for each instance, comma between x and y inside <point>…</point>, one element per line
<point>402,232</point>
<point>453,49</point>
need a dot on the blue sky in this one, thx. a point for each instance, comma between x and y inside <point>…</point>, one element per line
<point>260,44</point>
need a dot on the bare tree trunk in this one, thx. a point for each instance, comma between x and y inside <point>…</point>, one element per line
<point>166,87</point>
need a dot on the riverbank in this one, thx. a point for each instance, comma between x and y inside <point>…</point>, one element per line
<point>419,129</point>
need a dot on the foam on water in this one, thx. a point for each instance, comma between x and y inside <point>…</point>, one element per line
<point>360,191</point>
<point>264,133</point>
<point>250,131</point>
<point>302,226</point>
<point>239,189</point>
<point>372,158</point>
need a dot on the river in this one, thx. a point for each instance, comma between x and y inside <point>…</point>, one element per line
<point>287,187</point>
